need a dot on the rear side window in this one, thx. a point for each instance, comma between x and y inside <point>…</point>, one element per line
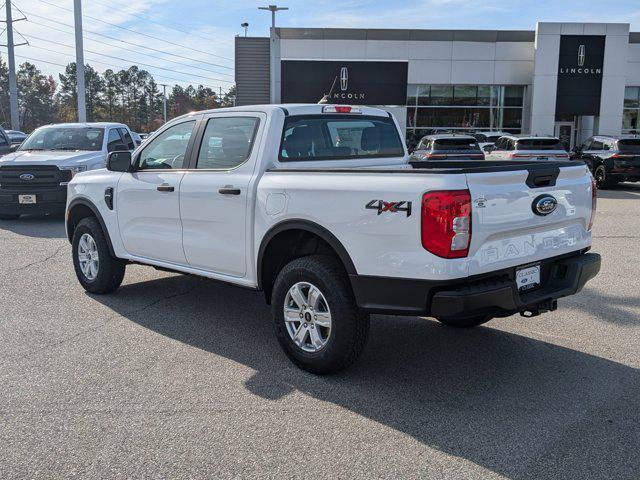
<point>332,137</point>
<point>227,142</point>
<point>539,144</point>
<point>455,144</point>
<point>629,145</point>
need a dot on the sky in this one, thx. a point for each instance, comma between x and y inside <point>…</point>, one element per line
<point>191,41</point>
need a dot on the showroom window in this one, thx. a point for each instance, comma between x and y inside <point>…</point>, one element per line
<point>631,111</point>
<point>438,108</point>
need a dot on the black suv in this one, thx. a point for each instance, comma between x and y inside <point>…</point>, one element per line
<point>447,147</point>
<point>611,159</point>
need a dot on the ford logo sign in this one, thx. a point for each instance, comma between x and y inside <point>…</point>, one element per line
<point>27,177</point>
<point>544,205</point>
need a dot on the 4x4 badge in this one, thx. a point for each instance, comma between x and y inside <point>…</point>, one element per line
<point>392,207</point>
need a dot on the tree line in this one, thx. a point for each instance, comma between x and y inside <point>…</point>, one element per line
<point>129,96</point>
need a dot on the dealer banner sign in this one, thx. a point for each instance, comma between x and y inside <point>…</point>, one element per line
<point>351,83</point>
<point>580,74</point>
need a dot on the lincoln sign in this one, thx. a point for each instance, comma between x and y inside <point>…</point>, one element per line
<point>355,83</point>
<point>579,75</point>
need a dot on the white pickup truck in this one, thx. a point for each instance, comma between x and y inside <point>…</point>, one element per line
<point>318,206</point>
<point>33,179</point>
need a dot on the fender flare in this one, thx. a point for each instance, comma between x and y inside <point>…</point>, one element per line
<point>87,203</point>
<point>310,227</point>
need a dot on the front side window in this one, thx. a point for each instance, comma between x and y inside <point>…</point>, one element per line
<point>65,138</point>
<point>167,150</point>
<point>114,140</point>
<point>328,137</point>
<point>226,142</point>
<point>127,139</point>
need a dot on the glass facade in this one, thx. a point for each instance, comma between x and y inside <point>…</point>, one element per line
<point>631,110</point>
<point>464,108</point>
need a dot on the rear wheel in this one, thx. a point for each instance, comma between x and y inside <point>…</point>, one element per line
<point>316,319</point>
<point>464,322</point>
<point>8,217</point>
<point>96,269</point>
<point>603,179</point>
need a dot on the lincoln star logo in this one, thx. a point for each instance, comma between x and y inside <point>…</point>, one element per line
<point>581,56</point>
<point>544,205</point>
<point>344,79</point>
<point>27,177</point>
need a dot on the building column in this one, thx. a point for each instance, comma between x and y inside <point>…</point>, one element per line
<point>614,70</point>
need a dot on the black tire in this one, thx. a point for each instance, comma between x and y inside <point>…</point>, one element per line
<point>8,216</point>
<point>349,325</point>
<point>464,322</point>
<point>110,270</point>
<point>603,179</point>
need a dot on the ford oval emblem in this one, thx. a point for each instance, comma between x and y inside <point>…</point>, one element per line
<point>27,177</point>
<point>544,205</point>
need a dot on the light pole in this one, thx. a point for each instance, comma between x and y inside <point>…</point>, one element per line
<point>245,25</point>
<point>273,66</point>
<point>13,84</point>
<point>82,108</point>
<point>164,101</point>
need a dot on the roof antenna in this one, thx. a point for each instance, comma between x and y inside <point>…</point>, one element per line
<point>326,98</point>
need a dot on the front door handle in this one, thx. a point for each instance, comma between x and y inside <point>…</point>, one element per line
<point>165,188</point>
<point>229,191</point>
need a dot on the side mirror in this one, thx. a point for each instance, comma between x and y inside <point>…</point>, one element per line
<point>119,161</point>
<point>14,147</point>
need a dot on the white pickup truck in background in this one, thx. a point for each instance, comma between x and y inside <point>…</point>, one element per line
<point>318,207</point>
<point>33,179</point>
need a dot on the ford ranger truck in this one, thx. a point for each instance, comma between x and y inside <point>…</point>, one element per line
<point>318,207</point>
<point>33,179</point>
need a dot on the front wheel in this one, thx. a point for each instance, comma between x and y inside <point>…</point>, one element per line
<point>316,319</point>
<point>96,269</point>
<point>464,322</point>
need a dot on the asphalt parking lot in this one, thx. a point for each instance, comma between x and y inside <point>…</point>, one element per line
<point>179,377</point>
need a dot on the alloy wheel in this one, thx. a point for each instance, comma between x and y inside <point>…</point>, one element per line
<point>307,317</point>
<point>88,257</point>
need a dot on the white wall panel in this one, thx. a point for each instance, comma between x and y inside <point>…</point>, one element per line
<point>474,51</point>
<point>429,71</point>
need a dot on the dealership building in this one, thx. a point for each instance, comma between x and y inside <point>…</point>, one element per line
<point>572,80</point>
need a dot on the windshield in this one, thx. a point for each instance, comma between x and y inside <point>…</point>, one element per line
<point>65,138</point>
<point>332,137</point>
<point>456,144</point>
<point>539,144</point>
<point>629,145</point>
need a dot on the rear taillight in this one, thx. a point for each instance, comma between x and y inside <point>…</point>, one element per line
<point>435,155</point>
<point>594,202</point>
<point>561,155</point>
<point>446,223</point>
<point>519,155</point>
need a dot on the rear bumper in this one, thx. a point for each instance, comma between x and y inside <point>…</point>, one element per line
<point>494,294</point>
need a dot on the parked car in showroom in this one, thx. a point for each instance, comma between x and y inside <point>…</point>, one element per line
<point>527,148</point>
<point>16,137</point>
<point>611,159</point>
<point>34,178</point>
<point>318,207</point>
<point>446,147</point>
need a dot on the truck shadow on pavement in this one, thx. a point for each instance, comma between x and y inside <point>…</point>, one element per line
<point>619,310</point>
<point>520,407</point>
<point>50,226</point>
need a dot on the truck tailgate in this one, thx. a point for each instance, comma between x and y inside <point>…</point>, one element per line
<point>507,228</point>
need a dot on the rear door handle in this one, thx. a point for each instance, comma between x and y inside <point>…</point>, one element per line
<point>165,188</point>
<point>229,191</point>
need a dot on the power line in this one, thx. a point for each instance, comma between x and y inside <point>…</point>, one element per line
<point>138,33</point>
<point>171,26</point>
<point>92,60</point>
<point>132,61</point>
<point>138,45</point>
<point>116,46</point>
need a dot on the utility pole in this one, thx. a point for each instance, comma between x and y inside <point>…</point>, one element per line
<point>164,101</point>
<point>13,84</point>
<point>273,65</point>
<point>82,107</point>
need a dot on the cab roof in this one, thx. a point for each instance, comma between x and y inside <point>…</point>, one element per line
<point>87,125</point>
<point>293,109</point>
